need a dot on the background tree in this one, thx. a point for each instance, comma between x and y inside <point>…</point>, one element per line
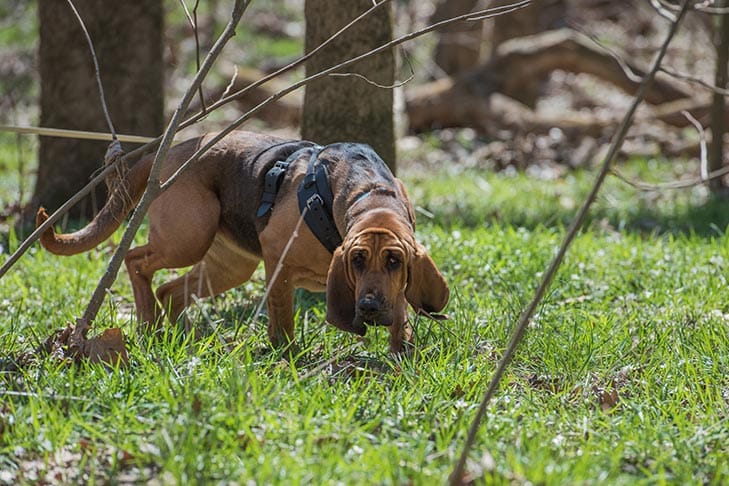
<point>459,44</point>
<point>350,108</point>
<point>718,110</point>
<point>127,36</point>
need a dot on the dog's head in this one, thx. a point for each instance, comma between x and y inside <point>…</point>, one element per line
<point>377,271</point>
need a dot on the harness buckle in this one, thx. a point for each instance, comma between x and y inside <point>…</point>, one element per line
<point>314,202</point>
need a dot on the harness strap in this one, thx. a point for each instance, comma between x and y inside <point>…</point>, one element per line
<point>275,175</point>
<point>315,194</point>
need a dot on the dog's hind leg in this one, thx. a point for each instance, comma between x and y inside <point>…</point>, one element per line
<point>141,264</point>
<point>223,267</point>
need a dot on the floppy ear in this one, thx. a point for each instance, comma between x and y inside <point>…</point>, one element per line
<point>427,289</point>
<point>404,197</point>
<point>340,296</point>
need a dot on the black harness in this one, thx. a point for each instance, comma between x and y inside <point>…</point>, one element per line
<point>316,200</point>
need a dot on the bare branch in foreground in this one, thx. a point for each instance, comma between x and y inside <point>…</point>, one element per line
<point>153,185</point>
<point>457,476</point>
<point>481,14</point>
<point>136,153</point>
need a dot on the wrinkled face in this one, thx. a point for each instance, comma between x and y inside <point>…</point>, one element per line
<point>377,272</point>
<point>377,265</point>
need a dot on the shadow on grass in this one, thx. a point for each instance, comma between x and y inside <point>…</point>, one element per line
<point>709,218</point>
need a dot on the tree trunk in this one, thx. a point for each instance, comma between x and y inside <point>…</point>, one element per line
<point>349,108</point>
<point>127,37</point>
<point>459,44</point>
<point>718,117</point>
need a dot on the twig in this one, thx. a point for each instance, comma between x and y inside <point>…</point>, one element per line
<point>192,20</point>
<point>131,156</point>
<point>695,80</point>
<point>627,70</point>
<point>481,14</point>
<point>228,88</point>
<point>704,161</point>
<point>632,76</point>
<point>321,366</point>
<point>397,84</point>
<point>96,70</point>
<point>153,185</point>
<point>277,270</point>
<point>663,10</point>
<point>79,134</point>
<point>644,186</point>
<point>457,475</point>
<point>706,8</point>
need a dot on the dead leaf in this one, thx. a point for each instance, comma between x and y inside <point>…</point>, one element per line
<point>196,405</point>
<point>108,348</point>
<point>607,399</point>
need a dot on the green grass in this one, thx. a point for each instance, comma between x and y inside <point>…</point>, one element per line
<point>621,378</point>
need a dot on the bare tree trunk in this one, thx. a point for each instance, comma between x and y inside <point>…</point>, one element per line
<point>459,44</point>
<point>718,117</point>
<point>127,36</point>
<point>349,108</point>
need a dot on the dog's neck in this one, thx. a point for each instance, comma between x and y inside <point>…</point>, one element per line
<point>382,212</point>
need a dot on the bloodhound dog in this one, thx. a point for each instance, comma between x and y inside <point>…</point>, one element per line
<point>241,202</point>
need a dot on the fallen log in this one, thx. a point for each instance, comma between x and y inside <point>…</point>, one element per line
<point>284,112</point>
<point>464,100</point>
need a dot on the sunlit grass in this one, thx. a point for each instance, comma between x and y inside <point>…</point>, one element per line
<point>621,378</point>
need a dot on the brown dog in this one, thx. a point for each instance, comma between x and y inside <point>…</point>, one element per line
<point>216,218</point>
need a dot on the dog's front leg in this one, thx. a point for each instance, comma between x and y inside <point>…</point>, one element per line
<point>280,308</point>
<point>401,338</point>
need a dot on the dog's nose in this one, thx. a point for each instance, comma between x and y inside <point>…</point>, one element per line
<point>369,304</point>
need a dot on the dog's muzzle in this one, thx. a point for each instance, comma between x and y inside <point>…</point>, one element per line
<point>372,310</point>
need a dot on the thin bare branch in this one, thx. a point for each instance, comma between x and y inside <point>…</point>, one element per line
<point>706,7</point>
<point>277,270</point>
<point>629,73</point>
<point>192,20</point>
<point>96,69</point>
<point>397,84</point>
<point>704,160</point>
<point>664,10</point>
<point>136,153</point>
<point>482,14</point>
<point>153,186</point>
<point>504,9</point>
<point>685,184</point>
<point>228,88</point>
<point>457,475</point>
<point>695,80</point>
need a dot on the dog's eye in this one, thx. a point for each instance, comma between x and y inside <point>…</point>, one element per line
<point>358,260</point>
<point>393,262</point>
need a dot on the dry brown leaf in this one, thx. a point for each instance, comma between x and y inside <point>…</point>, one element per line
<point>108,348</point>
<point>607,399</point>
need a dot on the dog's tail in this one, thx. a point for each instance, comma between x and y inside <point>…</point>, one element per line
<point>125,190</point>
